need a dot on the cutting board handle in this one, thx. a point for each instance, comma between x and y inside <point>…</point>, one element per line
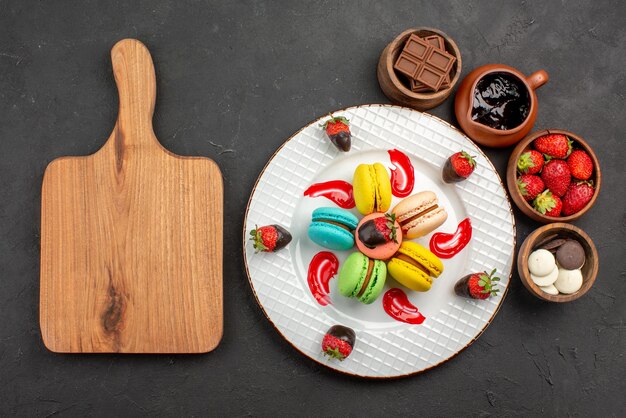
<point>136,84</point>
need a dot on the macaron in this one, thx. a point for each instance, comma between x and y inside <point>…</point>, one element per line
<point>420,214</point>
<point>371,188</point>
<point>378,236</point>
<point>415,267</point>
<point>333,228</point>
<point>362,278</point>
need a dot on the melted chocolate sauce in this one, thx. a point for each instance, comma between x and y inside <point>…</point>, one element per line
<point>501,101</point>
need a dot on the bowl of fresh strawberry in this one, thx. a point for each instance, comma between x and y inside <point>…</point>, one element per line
<point>553,176</point>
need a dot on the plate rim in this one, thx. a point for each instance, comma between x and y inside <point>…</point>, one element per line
<point>254,292</point>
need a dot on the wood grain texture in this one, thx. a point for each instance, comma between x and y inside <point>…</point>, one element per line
<point>131,236</point>
<point>563,230</point>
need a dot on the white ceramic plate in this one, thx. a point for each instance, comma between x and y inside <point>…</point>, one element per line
<point>384,347</point>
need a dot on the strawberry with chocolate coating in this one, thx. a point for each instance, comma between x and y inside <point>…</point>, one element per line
<point>577,196</point>
<point>338,342</point>
<point>478,285</point>
<point>580,165</point>
<point>338,130</point>
<point>530,186</point>
<point>378,231</point>
<point>556,176</point>
<point>269,238</point>
<point>530,162</point>
<point>458,167</point>
<point>553,145</point>
<point>548,204</point>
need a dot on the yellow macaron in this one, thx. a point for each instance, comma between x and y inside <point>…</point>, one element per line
<point>415,266</point>
<point>371,188</point>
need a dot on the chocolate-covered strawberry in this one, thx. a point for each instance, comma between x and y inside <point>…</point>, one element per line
<point>378,231</point>
<point>338,130</point>
<point>269,238</point>
<point>338,342</point>
<point>577,196</point>
<point>478,285</point>
<point>458,167</point>
<point>530,162</point>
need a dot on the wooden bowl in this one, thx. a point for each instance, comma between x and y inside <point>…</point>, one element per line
<point>511,176</point>
<point>397,88</point>
<point>589,269</point>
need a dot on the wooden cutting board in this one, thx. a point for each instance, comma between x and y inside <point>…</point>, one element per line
<point>131,236</point>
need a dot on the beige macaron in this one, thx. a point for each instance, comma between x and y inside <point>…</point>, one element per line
<point>420,214</point>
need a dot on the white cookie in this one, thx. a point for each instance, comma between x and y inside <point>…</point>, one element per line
<point>550,289</point>
<point>541,262</point>
<point>546,280</point>
<point>569,281</point>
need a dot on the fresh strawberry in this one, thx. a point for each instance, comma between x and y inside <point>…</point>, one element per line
<point>548,204</point>
<point>556,176</point>
<point>338,131</point>
<point>530,186</point>
<point>553,145</point>
<point>458,167</point>
<point>580,165</point>
<point>379,230</point>
<point>530,162</point>
<point>269,238</point>
<point>338,342</point>
<point>577,196</point>
<point>478,285</point>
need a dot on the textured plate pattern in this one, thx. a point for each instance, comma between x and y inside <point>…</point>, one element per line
<point>401,349</point>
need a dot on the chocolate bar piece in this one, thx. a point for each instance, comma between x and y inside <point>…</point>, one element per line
<point>440,60</point>
<point>408,65</point>
<point>417,47</point>
<point>436,41</point>
<point>426,63</point>
<point>418,87</point>
<point>430,77</point>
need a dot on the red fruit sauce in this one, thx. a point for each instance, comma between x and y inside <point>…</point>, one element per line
<point>322,268</point>
<point>397,306</point>
<point>338,191</point>
<point>448,245</point>
<point>403,176</point>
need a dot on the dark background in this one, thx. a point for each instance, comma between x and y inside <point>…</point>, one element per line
<point>235,79</point>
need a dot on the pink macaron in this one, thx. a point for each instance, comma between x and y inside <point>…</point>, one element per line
<point>378,236</point>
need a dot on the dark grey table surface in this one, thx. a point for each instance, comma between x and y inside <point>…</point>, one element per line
<point>235,79</point>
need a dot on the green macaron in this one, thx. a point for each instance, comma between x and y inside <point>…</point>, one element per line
<point>362,278</point>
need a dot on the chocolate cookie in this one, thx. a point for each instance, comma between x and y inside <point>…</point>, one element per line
<point>571,255</point>
<point>545,240</point>
<point>553,245</point>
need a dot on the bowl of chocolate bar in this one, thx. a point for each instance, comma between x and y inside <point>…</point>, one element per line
<point>419,68</point>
